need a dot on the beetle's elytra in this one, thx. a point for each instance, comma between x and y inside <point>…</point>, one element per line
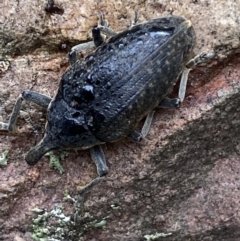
<point>103,97</point>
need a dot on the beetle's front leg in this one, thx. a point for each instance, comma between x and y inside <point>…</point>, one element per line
<point>98,157</point>
<point>35,97</point>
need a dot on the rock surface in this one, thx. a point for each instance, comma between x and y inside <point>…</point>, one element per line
<point>180,183</point>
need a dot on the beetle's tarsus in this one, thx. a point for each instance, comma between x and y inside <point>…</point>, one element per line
<point>136,17</point>
<point>102,170</point>
<point>200,58</point>
<point>103,25</point>
<point>90,186</point>
<point>135,136</point>
<point>170,103</point>
<point>78,209</point>
<point>102,21</point>
<point>147,124</point>
<point>15,114</point>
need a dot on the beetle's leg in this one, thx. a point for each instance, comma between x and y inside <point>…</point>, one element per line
<point>99,159</point>
<point>98,39</point>
<point>103,26</point>
<point>169,103</point>
<point>172,103</point>
<point>201,58</point>
<point>136,18</point>
<point>137,136</point>
<point>165,103</point>
<point>79,204</point>
<point>35,97</point>
<point>183,84</point>
<point>72,55</point>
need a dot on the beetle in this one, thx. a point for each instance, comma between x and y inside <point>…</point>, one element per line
<point>103,97</point>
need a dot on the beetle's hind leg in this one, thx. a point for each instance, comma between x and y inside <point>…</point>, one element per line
<point>201,58</point>
<point>35,97</point>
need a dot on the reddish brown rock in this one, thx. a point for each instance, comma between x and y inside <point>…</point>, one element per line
<point>183,178</point>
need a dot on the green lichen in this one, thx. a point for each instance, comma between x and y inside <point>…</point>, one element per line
<point>3,158</point>
<point>55,160</point>
<point>156,235</point>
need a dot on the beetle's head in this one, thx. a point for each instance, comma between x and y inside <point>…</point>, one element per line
<point>66,128</point>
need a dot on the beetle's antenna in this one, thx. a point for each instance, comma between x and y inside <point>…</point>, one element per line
<point>27,118</point>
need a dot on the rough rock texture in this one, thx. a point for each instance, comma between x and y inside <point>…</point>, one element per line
<point>182,181</point>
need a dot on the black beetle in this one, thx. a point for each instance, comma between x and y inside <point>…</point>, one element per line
<point>104,96</point>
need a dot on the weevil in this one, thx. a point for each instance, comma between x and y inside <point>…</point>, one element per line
<point>102,97</point>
